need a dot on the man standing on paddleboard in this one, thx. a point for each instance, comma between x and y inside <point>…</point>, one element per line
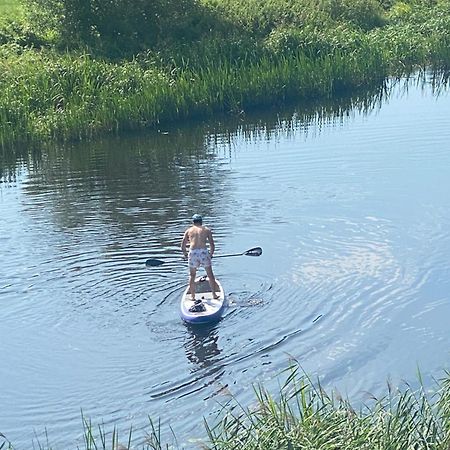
<point>198,237</point>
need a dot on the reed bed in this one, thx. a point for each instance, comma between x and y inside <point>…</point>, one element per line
<point>302,416</point>
<point>284,51</point>
<point>65,96</point>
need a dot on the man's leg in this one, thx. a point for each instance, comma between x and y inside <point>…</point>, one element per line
<point>192,274</point>
<point>212,281</point>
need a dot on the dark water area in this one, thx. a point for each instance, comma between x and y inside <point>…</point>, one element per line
<point>350,203</point>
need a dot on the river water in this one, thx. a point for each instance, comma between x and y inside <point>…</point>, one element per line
<point>350,203</point>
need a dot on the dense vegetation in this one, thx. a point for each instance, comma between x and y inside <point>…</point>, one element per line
<point>305,417</point>
<point>74,68</point>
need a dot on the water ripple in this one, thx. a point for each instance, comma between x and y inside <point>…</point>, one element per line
<point>350,207</point>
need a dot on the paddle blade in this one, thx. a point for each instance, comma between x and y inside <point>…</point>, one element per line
<point>257,251</point>
<point>153,262</point>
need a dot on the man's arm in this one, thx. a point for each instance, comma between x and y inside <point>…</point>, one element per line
<point>184,243</point>
<point>212,246</point>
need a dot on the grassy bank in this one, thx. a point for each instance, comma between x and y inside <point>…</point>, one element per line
<point>66,96</point>
<point>234,56</point>
<point>303,416</point>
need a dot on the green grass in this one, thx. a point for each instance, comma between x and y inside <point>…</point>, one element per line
<point>71,96</point>
<point>10,9</point>
<point>304,416</point>
<point>280,51</point>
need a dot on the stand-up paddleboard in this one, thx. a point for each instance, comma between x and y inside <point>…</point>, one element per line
<point>205,308</point>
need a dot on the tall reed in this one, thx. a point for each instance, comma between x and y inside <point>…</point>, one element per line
<point>304,416</point>
<point>275,55</point>
<point>52,96</point>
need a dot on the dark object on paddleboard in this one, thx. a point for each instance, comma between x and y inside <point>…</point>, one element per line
<point>198,306</point>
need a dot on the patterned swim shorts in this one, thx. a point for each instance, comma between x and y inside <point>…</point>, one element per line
<point>199,257</point>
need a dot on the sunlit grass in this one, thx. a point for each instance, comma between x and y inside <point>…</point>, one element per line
<point>281,56</point>
<point>10,9</point>
<point>77,96</point>
<point>302,415</point>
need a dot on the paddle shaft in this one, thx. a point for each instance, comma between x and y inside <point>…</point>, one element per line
<point>257,251</point>
<point>231,254</point>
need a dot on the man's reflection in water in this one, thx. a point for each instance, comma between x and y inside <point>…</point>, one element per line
<point>201,345</point>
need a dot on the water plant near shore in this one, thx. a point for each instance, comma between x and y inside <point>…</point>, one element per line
<point>45,95</point>
<point>304,416</point>
<point>273,55</point>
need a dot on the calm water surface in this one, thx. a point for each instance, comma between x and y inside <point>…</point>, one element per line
<point>351,204</point>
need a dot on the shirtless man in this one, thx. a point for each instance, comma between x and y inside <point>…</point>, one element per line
<point>198,236</point>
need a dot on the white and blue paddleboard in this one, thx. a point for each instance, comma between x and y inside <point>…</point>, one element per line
<point>205,309</point>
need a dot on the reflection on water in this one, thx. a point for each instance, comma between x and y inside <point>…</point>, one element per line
<point>202,345</point>
<point>348,200</point>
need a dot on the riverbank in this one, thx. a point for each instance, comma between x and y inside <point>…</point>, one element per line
<point>304,416</point>
<point>272,56</point>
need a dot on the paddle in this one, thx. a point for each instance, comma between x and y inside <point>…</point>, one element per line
<point>256,251</point>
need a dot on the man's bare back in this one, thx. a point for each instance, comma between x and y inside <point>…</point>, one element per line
<point>198,236</point>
